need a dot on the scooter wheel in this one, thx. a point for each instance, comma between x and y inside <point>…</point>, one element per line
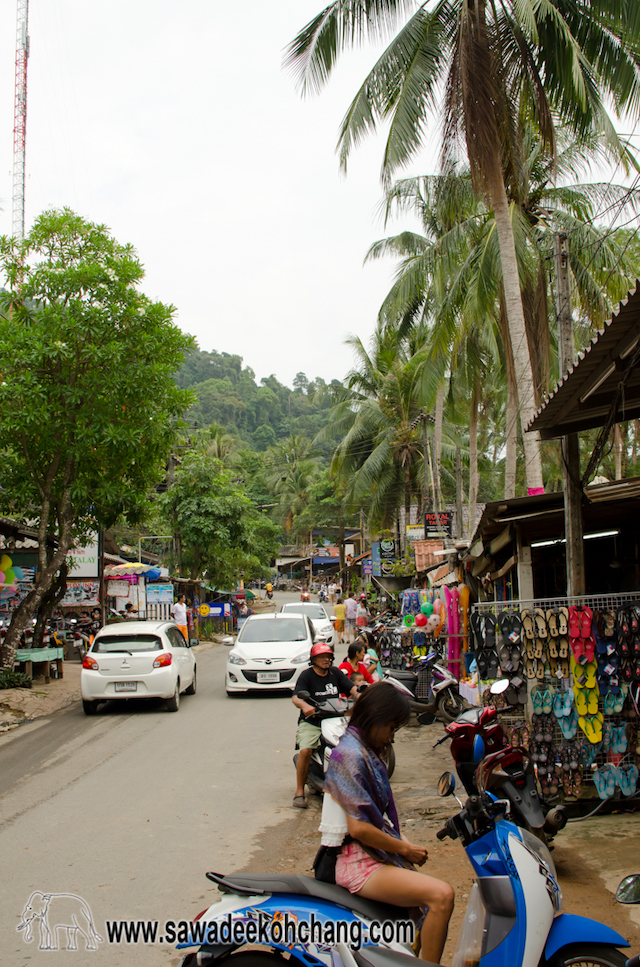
<point>450,705</point>
<point>589,955</point>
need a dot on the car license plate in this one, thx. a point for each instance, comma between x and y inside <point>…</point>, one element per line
<point>268,677</point>
<point>126,686</point>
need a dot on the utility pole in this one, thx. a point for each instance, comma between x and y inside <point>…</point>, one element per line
<point>570,444</point>
<point>20,119</point>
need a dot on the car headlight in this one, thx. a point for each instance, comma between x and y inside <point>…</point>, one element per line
<point>235,659</point>
<point>299,659</point>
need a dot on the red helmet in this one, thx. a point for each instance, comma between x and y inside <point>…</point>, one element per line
<point>320,649</point>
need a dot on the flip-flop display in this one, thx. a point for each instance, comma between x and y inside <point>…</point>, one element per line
<point>581,668</point>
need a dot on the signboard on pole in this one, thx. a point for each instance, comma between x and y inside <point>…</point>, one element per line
<point>85,560</point>
<point>414,532</point>
<point>438,524</point>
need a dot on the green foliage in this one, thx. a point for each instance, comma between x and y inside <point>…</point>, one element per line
<point>221,535</point>
<point>260,415</point>
<point>11,679</point>
<point>89,404</point>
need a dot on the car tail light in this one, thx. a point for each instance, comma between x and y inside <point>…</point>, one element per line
<point>162,660</point>
<point>89,662</point>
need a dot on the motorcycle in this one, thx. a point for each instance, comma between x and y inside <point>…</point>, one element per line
<point>269,594</point>
<point>432,690</point>
<point>322,595</point>
<point>304,596</point>
<point>504,771</point>
<point>629,892</point>
<point>514,915</point>
<point>332,716</point>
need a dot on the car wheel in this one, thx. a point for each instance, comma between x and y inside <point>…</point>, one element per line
<point>89,708</point>
<point>173,703</point>
<point>191,690</point>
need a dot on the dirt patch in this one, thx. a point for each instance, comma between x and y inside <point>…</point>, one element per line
<point>591,857</point>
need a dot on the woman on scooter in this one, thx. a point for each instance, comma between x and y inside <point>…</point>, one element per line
<point>357,779</point>
<point>354,662</point>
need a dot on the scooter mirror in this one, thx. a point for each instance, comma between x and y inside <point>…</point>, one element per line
<point>499,686</point>
<point>629,889</point>
<point>478,749</point>
<point>446,784</point>
<point>305,696</point>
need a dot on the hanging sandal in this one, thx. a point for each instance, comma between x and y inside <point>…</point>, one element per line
<point>541,623</point>
<point>527,624</point>
<point>563,621</point>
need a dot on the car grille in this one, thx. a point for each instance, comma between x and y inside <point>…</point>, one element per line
<point>285,675</point>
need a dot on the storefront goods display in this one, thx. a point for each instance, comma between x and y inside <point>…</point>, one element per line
<point>582,661</point>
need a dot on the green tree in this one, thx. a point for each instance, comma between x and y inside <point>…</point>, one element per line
<point>220,535</point>
<point>89,404</point>
<point>484,65</point>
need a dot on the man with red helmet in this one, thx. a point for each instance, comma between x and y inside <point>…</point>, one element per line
<point>322,681</point>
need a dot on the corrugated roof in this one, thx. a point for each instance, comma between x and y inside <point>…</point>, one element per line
<point>583,397</point>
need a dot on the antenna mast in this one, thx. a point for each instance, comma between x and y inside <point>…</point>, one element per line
<point>20,118</point>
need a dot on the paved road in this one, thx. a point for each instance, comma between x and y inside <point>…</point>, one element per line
<point>129,809</point>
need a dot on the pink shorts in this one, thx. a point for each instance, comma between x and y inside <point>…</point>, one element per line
<point>354,867</point>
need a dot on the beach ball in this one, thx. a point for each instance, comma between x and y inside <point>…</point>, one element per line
<point>9,576</point>
<point>19,573</point>
<point>432,623</point>
<point>5,563</point>
<point>421,620</point>
<point>408,620</point>
<point>429,608</point>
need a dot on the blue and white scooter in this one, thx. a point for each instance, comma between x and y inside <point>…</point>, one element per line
<point>514,916</point>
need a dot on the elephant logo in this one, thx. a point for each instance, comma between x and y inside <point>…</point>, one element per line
<point>59,913</point>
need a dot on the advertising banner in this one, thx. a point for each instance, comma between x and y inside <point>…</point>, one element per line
<point>415,532</point>
<point>82,594</point>
<point>159,593</point>
<point>437,524</point>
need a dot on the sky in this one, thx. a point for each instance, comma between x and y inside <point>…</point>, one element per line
<point>176,125</point>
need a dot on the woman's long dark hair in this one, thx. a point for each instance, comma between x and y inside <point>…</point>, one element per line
<point>380,704</point>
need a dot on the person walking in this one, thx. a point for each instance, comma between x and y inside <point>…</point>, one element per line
<point>179,615</point>
<point>350,617</point>
<point>332,593</point>
<point>340,612</point>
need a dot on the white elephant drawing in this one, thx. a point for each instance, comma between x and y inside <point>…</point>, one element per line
<point>59,912</point>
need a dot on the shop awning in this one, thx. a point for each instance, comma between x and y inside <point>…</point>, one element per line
<point>585,396</point>
<point>121,570</point>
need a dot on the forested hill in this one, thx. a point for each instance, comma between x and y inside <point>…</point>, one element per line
<point>260,413</point>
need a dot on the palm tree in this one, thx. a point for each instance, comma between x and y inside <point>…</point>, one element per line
<point>495,63</point>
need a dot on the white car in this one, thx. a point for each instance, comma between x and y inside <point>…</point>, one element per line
<point>319,618</point>
<point>137,659</point>
<point>270,652</point>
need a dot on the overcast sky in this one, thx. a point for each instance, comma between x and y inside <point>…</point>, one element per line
<point>176,125</point>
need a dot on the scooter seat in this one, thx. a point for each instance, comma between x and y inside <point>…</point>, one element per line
<point>402,675</point>
<point>293,883</point>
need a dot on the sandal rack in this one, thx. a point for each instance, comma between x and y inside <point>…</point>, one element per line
<point>581,660</point>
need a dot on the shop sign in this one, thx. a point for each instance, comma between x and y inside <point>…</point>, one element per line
<point>438,524</point>
<point>367,566</point>
<point>85,560</point>
<point>219,610</point>
<point>414,532</point>
<point>159,593</point>
<point>118,589</point>
<point>81,594</point>
<point>383,556</point>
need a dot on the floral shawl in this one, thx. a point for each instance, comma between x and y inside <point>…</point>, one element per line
<point>357,779</point>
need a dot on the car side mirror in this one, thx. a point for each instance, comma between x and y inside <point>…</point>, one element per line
<point>228,640</point>
<point>193,642</point>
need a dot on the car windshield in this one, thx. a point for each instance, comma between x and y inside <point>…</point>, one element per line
<point>280,629</point>
<point>312,610</point>
<point>108,643</point>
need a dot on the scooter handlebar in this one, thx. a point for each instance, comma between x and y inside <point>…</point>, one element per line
<point>440,741</point>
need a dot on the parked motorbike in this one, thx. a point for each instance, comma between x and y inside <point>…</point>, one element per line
<point>333,722</point>
<point>433,691</point>
<point>629,892</point>
<point>501,770</point>
<point>514,915</point>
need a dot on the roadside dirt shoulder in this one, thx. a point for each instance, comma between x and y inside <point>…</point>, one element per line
<point>591,856</point>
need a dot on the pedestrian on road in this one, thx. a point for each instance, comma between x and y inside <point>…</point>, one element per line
<point>332,593</point>
<point>350,617</point>
<point>340,612</point>
<point>357,780</point>
<point>362,615</point>
<point>179,615</point>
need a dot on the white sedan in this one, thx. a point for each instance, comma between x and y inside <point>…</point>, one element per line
<point>137,659</point>
<point>270,652</point>
<point>320,620</point>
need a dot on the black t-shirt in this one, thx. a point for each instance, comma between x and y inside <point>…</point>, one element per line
<point>322,687</point>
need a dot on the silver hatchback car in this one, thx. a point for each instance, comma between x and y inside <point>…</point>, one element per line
<point>137,659</point>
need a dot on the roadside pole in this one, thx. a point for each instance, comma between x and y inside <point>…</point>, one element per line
<point>570,444</point>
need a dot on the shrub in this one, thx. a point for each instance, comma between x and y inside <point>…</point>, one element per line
<point>9,679</point>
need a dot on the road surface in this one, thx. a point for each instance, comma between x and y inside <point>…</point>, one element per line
<point>128,810</point>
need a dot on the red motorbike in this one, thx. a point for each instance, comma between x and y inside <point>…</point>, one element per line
<point>503,771</point>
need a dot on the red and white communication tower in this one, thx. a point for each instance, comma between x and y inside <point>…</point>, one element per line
<point>20,118</point>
